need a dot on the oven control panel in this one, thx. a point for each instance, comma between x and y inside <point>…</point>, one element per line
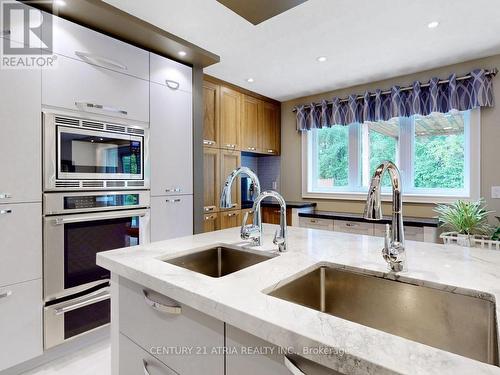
<point>76,202</point>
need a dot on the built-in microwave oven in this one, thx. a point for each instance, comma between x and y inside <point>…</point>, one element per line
<point>83,153</point>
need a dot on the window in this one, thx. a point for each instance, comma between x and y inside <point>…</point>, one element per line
<point>438,156</point>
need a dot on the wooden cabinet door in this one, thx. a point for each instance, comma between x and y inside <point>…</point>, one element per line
<point>210,222</point>
<point>230,219</point>
<point>269,130</point>
<point>211,179</point>
<point>250,124</point>
<point>230,118</point>
<point>230,160</point>
<point>250,215</point>
<point>211,114</point>
<point>171,141</point>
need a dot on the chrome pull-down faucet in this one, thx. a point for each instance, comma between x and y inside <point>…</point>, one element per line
<point>226,200</point>
<point>254,232</point>
<point>394,250</point>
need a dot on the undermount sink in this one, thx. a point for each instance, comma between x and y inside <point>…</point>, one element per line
<point>220,261</point>
<point>457,323</point>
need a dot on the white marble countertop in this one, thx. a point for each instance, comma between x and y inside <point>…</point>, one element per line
<point>238,298</point>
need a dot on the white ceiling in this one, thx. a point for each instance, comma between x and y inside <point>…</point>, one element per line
<point>364,40</point>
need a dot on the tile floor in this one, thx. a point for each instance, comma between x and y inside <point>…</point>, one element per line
<point>93,360</point>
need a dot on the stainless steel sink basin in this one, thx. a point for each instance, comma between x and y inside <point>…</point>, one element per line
<point>453,322</point>
<point>220,261</point>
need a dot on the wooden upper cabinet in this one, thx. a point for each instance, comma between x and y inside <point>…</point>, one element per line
<point>211,179</point>
<point>250,124</point>
<point>211,114</point>
<point>230,160</point>
<point>269,128</point>
<point>230,117</point>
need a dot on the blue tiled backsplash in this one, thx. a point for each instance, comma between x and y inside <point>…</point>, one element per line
<point>268,168</point>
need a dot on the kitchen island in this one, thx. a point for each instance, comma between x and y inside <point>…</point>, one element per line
<point>212,322</point>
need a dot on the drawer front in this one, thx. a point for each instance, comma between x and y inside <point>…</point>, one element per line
<point>411,233</point>
<point>309,222</point>
<point>156,328</point>
<point>21,323</point>
<point>210,222</point>
<point>77,85</point>
<point>353,227</point>
<point>21,254</point>
<point>171,217</point>
<point>135,360</point>
<point>78,42</point>
<point>171,73</point>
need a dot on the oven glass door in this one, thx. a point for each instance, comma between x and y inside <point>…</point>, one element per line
<point>87,154</point>
<point>83,240</point>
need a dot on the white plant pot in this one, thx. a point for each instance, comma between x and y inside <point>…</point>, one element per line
<point>465,240</point>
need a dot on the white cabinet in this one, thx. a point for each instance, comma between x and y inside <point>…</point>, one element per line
<point>411,233</point>
<point>354,227</point>
<point>313,223</point>
<point>171,141</point>
<point>78,42</point>
<point>135,360</point>
<point>154,322</point>
<point>78,85</point>
<point>21,250</point>
<point>171,73</point>
<point>171,217</point>
<point>20,154</point>
<point>21,323</point>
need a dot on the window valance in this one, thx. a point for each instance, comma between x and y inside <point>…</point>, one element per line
<point>456,93</point>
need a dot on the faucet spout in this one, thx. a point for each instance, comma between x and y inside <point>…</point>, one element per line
<point>394,250</point>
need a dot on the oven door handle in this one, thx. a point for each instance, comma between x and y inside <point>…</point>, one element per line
<point>76,219</point>
<point>100,296</point>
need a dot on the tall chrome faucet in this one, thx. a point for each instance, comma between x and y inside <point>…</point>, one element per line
<point>226,201</point>
<point>394,250</point>
<point>254,231</point>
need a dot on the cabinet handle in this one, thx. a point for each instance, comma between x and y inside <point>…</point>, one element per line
<point>313,221</point>
<point>145,367</point>
<point>173,200</point>
<point>5,32</point>
<point>230,146</point>
<point>208,143</point>
<point>168,309</point>
<point>211,217</point>
<point>102,107</point>
<point>6,294</point>
<point>5,195</point>
<point>351,225</point>
<point>174,85</point>
<point>251,148</point>
<point>270,151</point>
<point>100,297</point>
<point>231,215</point>
<point>174,190</point>
<point>5,212</point>
<point>209,209</point>
<point>291,367</point>
<point>100,60</point>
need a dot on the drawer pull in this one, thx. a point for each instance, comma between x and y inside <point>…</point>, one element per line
<point>173,200</point>
<point>251,148</point>
<point>101,61</point>
<point>314,221</point>
<point>209,209</point>
<point>231,215</point>
<point>231,146</point>
<point>351,225</point>
<point>101,296</point>
<point>208,143</point>
<point>145,367</point>
<point>6,294</point>
<point>102,107</point>
<point>168,309</point>
<point>174,85</point>
<point>270,151</point>
<point>5,32</point>
<point>291,367</point>
<point>173,190</point>
<point>5,212</point>
<point>211,217</point>
<point>5,195</point>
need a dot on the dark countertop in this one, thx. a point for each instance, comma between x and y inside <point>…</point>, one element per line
<point>289,204</point>
<point>409,221</point>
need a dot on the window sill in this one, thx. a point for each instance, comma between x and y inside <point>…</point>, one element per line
<point>386,197</point>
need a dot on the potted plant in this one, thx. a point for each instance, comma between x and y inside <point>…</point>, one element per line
<point>466,219</point>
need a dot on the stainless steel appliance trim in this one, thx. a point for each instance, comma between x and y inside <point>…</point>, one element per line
<point>161,307</point>
<point>53,254</point>
<point>81,105</point>
<point>291,367</point>
<point>96,58</point>
<point>89,300</point>
<point>78,219</point>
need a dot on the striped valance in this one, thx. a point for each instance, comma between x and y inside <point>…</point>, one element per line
<point>462,93</point>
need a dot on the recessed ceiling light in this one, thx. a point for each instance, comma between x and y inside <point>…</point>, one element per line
<point>322,59</point>
<point>433,24</point>
<point>250,80</point>
<point>60,3</point>
<point>182,53</point>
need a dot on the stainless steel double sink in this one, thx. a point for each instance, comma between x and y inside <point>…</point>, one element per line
<point>457,323</point>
